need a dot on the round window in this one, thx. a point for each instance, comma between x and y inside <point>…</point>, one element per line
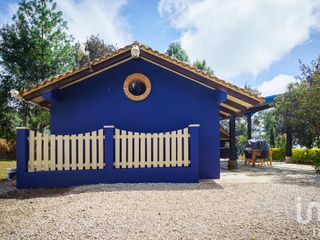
<point>137,86</point>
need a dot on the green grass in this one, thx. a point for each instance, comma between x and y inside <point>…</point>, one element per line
<point>4,165</point>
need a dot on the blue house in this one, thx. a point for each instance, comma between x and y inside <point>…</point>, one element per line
<point>135,115</point>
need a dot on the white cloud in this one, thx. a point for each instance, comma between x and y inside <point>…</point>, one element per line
<point>243,36</point>
<point>276,85</point>
<point>86,17</point>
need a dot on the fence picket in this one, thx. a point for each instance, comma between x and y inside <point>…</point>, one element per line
<point>130,150</point>
<point>45,152</point>
<point>60,152</point>
<point>66,140</point>
<point>94,150</point>
<point>142,150</point>
<point>148,137</point>
<point>167,150</point>
<point>31,152</point>
<point>73,152</point>
<point>87,151</point>
<point>136,150</point>
<point>100,149</point>
<point>117,146</point>
<point>173,149</point>
<point>123,138</point>
<point>185,147</point>
<point>179,147</point>
<point>155,150</point>
<point>39,151</point>
<point>161,150</point>
<point>80,152</point>
<point>52,152</point>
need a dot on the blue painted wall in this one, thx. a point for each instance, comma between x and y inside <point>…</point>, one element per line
<point>174,103</point>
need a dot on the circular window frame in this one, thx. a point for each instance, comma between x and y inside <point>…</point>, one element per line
<point>137,77</point>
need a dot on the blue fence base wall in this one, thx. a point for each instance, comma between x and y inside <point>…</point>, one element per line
<point>82,177</point>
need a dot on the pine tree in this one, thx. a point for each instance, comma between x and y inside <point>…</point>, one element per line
<point>34,47</point>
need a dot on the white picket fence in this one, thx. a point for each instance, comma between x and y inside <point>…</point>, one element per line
<point>146,150</point>
<point>65,152</point>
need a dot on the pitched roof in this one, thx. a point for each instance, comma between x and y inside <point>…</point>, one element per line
<point>238,99</point>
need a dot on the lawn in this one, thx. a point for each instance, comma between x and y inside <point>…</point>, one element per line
<point>4,165</point>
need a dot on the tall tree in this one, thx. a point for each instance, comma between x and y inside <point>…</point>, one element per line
<point>299,107</point>
<point>272,141</point>
<point>202,65</point>
<point>96,48</point>
<point>175,50</point>
<point>34,47</point>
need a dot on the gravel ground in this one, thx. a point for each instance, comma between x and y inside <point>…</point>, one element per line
<point>223,209</point>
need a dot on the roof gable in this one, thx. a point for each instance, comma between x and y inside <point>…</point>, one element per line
<point>238,99</point>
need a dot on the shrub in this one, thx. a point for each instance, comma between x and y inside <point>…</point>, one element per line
<point>278,154</point>
<point>7,149</point>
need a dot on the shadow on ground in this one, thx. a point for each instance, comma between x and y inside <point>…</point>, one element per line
<point>14,193</point>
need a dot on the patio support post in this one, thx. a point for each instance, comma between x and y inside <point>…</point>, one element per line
<point>249,128</point>
<point>289,144</point>
<point>233,163</point>
<point>22,153</point>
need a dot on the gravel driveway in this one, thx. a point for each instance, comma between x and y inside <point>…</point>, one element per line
<point>229,208</point>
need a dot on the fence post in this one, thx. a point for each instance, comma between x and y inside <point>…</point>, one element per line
<point>108,132</point>
<point>22,153</point>
<point>194,149</point>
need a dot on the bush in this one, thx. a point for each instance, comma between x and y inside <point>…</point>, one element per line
<point>299,155</point>
<point>278,154</point>
<point>7,149</point>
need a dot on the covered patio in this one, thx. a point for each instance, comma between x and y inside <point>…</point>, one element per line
<point>231,115</point>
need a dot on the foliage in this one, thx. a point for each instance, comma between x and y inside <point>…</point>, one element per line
<point>202,65</point>
<point>299,107</point>
<point>272,141</point>
<point>96,48</point>
<point>241,142</point>
<point>278,154</point>
<point>33,48</point>
<point>299,155</point>
<point>252,89</point>
<point>175,50</point>
<point>4,165</point>
<point>7,149</point>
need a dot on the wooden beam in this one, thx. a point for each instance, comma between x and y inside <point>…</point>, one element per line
<point>230,107</point>
<point>226,110</point>
<point>235,105</point>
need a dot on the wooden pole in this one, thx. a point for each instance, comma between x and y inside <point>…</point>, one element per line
<point>232,164</point>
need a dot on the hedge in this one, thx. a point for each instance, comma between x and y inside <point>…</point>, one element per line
<point>299,155</point>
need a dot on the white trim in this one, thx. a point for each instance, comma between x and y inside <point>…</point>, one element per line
<point>194,125</point>
<point>108,126</point>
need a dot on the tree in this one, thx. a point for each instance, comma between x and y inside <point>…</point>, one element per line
<point>33,48</point>
<point>202,65</point>
<point>175,50</point>
<point>272,141</point>
<point>299,107</point>
<point>96,48</point>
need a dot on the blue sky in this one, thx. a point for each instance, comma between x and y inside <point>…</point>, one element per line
<point>244,41</point>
